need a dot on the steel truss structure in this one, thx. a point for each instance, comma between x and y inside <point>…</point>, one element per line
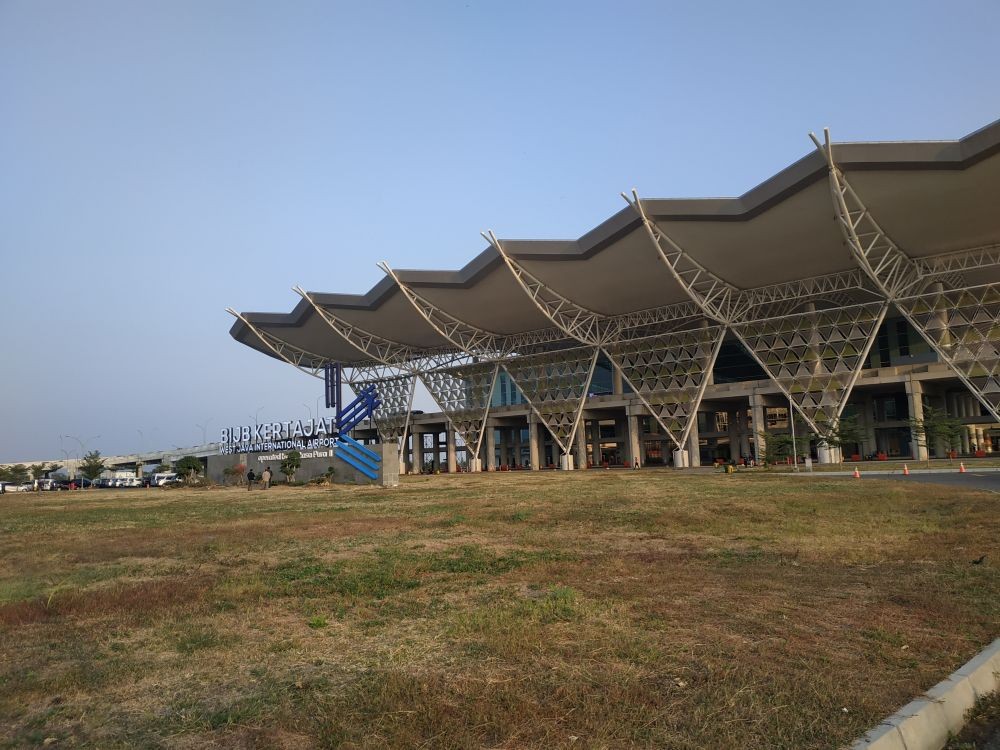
<point>960,322</point>
<point>812,336</point>
<point>669,373</point>
<point>464,394</point>
<point>814,356</point>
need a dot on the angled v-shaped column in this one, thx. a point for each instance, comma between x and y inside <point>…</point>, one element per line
<point>463,393</point>
<point>669,373</point>
<point>815,356</point>
<point>555,385</point>
<point>815,374</point>
<point>960,323</point>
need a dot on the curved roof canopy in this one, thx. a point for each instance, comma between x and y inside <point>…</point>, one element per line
<point>931,197</point>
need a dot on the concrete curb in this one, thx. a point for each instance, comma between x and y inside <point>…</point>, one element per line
<point>926,723</point>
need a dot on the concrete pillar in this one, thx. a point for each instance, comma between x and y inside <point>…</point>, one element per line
<point>504,447</point>
<point>451,450</point>
<point>914,395</point>
<point>616,381</point>
<point>634,443</point>
<point>744,431</point>
<point>581,446</point>
<point>418,452</point>
<point>621,439</point>
<point>963,412</point>
<point>694,448</point>
<point>680,458</point>
<point>732,419</point>
<point>868,444</point>
<point>517,460</point>
<point>533,453</point>
<point>826,454</point>
<point>972,411</point>
<point>437,451</point>
<point>491,448</point>
<point>595,443</point>
<point>758,426</point>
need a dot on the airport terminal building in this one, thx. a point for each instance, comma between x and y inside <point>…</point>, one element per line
<point>861,281</point>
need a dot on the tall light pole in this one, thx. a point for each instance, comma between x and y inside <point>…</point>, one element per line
<point>203,429</point>
<point>256,414</point>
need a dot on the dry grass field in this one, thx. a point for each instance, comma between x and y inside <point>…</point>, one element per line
<point>584,610</point>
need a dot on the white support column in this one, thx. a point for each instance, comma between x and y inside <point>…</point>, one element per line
<point>595,443</point>
<point>581,447</point>
<point>870,444</point>
<point>634,442</point>
<point>694,443</point>
<point>451,450</point>
<point>616,381</point>
<point>758,426</point>
<point>963,412</point>
<point>732,420</point>
<point>491,447</point>
<point>418,452</point>
<point>914,395</point>
<point>533,453</point>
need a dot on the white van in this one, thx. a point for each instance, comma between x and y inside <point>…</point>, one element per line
<point>158,480</point>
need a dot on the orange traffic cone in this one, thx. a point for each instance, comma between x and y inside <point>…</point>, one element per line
<point>906,470</point>
<point>857,474</point>
<point>961,467</point>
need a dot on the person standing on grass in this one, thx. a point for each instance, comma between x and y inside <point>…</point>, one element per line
<point>250,477</point>
<point>266,477</point>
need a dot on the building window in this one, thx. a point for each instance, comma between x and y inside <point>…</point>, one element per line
<point>903,338</point>
<point>889,406</point>
<point>882,342</point>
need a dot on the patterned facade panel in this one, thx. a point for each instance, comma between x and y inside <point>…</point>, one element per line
<point>964,326</point>
<point>463,393</point>
<point>392,417</point>
<point>815,356</point>
<point>669,373</point>
<point>555,384</point>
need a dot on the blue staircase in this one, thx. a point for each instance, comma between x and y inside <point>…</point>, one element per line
<point>354,454</point>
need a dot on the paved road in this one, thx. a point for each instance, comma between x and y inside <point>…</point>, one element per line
<point>971,479</point>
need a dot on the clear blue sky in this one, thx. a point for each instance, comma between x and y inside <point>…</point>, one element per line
<point>162,160</point>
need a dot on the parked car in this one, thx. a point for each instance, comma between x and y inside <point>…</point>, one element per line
<point>158,480</point>
<point>15,487</point>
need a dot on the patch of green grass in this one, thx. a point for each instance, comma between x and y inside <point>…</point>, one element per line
<point>194,638</point>
<point>317,621</point>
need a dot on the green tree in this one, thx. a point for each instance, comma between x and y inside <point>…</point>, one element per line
<point>189,466</point>
<point>291,464</point>
<point>18,473</point>
<point>52,469</point>
<point>937,427</point>
<point>38,471</point>
<point>234,474</point>
<point>778,447</point>
<point>92,465</point>
<point>162,469</point>
<point>846,433</point>
<point>5,474</point>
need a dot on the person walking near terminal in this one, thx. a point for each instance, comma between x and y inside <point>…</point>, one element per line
<point>250,477</point>
<point>265,477</point>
